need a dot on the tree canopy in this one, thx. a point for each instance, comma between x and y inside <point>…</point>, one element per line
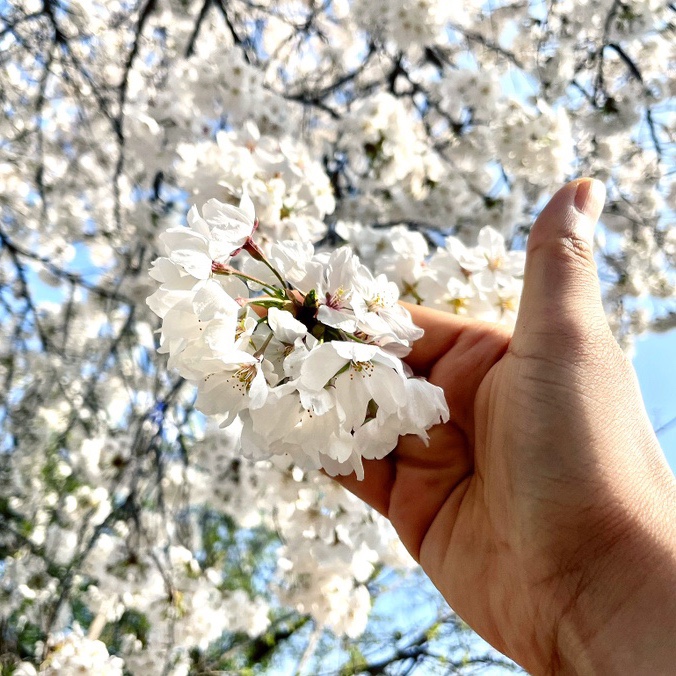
<point>423,134</point>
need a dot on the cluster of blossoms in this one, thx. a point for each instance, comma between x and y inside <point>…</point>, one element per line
<point>290,188</point>
<point>407,22</point>
<point>184,604</point>
<point>72,654</point>
<point>482,281</point>
<point>319,377</point>
<point>317,521</point>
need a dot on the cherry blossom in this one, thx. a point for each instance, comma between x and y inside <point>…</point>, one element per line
<point>303,379</point>
<point>394,151</point>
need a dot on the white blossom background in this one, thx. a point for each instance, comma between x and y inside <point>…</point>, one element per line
<point>134,539</point>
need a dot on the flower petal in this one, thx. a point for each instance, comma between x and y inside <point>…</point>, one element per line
<point>320,366</point>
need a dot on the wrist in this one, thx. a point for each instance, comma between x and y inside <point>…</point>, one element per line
<point>622,616</point>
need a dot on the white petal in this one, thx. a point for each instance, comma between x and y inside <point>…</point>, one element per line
<point>393,362</point>
<point>197,223</point>
<point>236,358</point>
<point>484,280</point>
<point>339,319</point>
<point>253,444</point>
<point>195,263</point>
<point>352,464</point>
<point>285,326</point>
<point>491,240</point>
<point>220,215</point>
<point>278,415</point>
<point>354,351</point>
<point>387,388</point>
<point>376,438</point>
<point>258,390</point>
<point>183,238</point>
<point>319,402</point>
<point>212,301</point>
<point>221,394</point>
<point>246,205</point>
<point>320,366</point>
<point>219,334</point>
<point>426,406</point>
<point>166,272</point>
<point>164,300</point>
<point>340,447</point>
<point>352,398</point>
<point>293,362</point>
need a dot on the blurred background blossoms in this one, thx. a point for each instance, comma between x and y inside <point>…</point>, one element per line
<point>134,538</point>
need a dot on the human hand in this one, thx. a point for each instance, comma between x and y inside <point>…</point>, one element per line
<point>544,510</point>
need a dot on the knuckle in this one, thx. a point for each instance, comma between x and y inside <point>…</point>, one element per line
<point>573,249</point>
<point>567,249</point>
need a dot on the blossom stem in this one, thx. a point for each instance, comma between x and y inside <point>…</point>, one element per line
<point>257,254</point>
<point>350,336</point>
<point>221,269</point>
<point>265,302</point>
<point>284,284</point>
<point>261,350</point>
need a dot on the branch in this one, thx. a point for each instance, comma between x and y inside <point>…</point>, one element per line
<point>599,84</point>
<point>122,98</point>
<point>667,425</point>
<point>9,27</point>
<point>25,292</point>
<point>636,73</point>
<point>664,324</point>
<point>240,42</point>
<point>471,36</point>
<point>190,49</point>
<point>633,69</point>
<point>71,277</point>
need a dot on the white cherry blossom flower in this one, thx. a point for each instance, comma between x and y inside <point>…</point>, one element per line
<point>358,374</point>
<point>239,382</point>
<point>380,315</point>
<point>332,278</point>
<point>215,236</point>
<point>490,263</point>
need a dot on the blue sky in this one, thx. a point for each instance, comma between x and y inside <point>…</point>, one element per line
<point>655,363</point>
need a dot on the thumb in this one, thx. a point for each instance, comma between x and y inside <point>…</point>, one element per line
<point>561,294</point>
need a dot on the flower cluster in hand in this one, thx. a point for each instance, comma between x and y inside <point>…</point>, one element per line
<point>304,347</point>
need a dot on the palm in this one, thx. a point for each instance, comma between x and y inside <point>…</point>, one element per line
<point>453,503</point>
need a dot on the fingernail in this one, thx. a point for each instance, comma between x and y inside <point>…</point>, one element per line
<point>589,198</point>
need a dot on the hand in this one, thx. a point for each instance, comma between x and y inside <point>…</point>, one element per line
<point>544,510</point>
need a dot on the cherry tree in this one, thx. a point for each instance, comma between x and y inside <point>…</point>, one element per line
<point>318,161</point>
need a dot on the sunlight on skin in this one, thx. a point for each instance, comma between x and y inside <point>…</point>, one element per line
<point>548,473</point>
